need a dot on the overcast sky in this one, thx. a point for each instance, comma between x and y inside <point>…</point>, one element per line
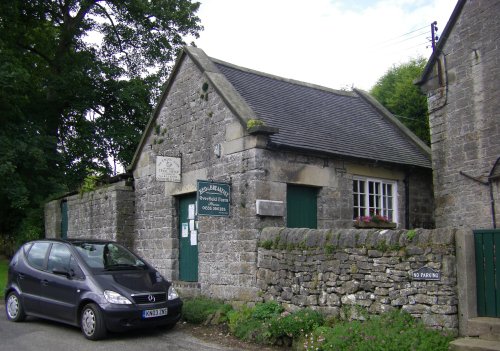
<point>334,43</point>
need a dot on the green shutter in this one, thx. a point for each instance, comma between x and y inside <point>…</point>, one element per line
<point>188,254</point>
<point>302,208</point>
<point>487,247</point>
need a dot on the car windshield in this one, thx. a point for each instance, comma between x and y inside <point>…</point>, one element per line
<point>108,256</point>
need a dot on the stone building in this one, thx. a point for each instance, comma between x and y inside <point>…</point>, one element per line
<point>281,153</point>
<point>461,80</point>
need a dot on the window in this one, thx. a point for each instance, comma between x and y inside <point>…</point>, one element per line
<point>36,255</point>
<point>59,258</point>
<point>375,197</point>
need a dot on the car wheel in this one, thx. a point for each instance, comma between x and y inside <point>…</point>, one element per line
<point>14,308</point>
<point>92,322</point>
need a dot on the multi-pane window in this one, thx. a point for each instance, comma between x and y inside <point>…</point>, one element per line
<point>374,197</point>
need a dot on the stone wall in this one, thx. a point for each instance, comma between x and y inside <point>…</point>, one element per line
<point>106,213</point>
<point>464,119</point>
<point>349,272</point>
<point>52,218</point>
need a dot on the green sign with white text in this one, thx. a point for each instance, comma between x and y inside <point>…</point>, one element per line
<point>213,199</point>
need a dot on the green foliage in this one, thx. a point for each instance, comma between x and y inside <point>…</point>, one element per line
<point>90,182</point>
<point>200,309</point>
<point>306,329</point>
<point>243,326</point>
<point>68,104</point>
<point>255,123</point>
<point>296,324</point>
<point>267,310</point>
<point>393,331</point>
<point>4,267</point>
<point>267,323</point>
<point>266,244</point>
<point>396,91</point>
<point>411,234</point>
<point>157,129</point>
<point>330,248</point>
<point>29,228</point>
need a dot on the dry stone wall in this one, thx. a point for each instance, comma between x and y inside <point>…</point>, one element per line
<point>350,273</point>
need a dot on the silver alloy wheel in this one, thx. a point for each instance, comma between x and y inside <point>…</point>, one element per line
<point>13,306</point>
<point>88,322</point>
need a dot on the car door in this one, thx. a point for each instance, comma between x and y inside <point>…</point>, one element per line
<point>61,284</point>
<point>29,276</point>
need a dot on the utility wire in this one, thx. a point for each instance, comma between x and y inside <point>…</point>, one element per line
<point>400,36</point>
<point>404,40</point>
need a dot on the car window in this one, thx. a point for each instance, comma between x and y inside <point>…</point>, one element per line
<point>109,256</point>
<point>37,253</point>
<point>59,258</point>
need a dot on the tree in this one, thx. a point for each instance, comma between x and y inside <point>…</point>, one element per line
<point>77,82</point>
<point>396,91</point>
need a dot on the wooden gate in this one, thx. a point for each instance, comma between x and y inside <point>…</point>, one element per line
<point>487,247</point>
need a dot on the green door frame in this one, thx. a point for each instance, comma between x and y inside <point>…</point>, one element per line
<point>188,243</point>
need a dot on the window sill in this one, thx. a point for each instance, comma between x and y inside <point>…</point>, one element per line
<point>367,225</point>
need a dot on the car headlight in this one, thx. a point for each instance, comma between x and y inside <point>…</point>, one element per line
<point>172,294</point>
<point>114,297</point>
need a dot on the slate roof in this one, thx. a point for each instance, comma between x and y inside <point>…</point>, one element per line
<point>309,118</point>
<point>321,120</point>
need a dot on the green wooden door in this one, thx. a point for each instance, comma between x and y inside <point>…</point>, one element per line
<point>64,219</point>
<point>487,247</point>
<point>188,242</point>
<point>301,207</point>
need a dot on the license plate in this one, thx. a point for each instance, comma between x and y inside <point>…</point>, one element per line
<point>155,313</point>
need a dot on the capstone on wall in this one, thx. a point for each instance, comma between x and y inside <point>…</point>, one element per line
<point>350,273</point>
<point>464,119</point>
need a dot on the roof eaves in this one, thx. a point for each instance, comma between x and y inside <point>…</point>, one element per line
<point>390,117</point>
<point>441,42</point>
<point>319,153</point>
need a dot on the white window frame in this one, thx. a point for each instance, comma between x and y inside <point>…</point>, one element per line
<point>376,202</point>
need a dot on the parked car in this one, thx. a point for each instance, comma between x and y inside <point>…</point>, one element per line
<point>98,286</point>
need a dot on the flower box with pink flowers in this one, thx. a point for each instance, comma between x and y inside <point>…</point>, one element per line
<point>375,221</point>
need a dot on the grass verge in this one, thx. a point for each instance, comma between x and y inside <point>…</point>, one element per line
<point>4,265</point>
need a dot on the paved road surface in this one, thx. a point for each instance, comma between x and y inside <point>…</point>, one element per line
<point>37,334</point>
